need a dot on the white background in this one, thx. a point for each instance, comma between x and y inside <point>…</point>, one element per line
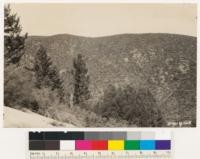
<point>14,142</point>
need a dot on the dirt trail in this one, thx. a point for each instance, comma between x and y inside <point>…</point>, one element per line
<point>14,118</point>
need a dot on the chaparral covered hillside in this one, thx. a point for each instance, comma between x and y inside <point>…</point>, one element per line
<point>147,69</point>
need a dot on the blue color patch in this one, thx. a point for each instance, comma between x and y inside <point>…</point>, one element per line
<point>147,144</point>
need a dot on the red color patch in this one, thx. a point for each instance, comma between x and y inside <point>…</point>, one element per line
<point>99,145</point>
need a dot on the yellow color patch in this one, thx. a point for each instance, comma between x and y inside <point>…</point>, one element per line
<point>115,144</point>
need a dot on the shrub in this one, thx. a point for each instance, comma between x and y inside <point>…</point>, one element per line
<point>137,106</point>
<point>18,89</point>
<point>48,101</point>
<point>95,120</point>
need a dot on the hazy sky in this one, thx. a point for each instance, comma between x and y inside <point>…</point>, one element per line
<point>106,19</point>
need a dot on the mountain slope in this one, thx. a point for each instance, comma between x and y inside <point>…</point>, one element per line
<point>161,62</point>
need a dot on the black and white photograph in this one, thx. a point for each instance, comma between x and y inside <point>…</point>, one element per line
<point>100,65</point>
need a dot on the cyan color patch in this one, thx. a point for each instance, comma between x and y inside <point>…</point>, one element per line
<point>147,144</point>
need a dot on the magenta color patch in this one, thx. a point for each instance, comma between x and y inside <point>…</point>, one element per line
<point>83,145</point>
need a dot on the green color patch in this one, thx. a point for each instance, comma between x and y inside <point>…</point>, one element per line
<point>132,145</point>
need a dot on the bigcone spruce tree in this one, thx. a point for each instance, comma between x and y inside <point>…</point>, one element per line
<point>81,81</point>
<point>13,40</point>
<point>46,74</point>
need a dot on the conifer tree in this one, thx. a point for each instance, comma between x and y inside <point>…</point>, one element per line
<point>55,82</point>
<point>13,40</point>
<point>46,73</point>
<point>41,68</point>
<point>81,80</point>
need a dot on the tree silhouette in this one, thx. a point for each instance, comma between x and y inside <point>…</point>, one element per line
<point>13,41</point>
<point>46,73</point>
<point>81,80</point>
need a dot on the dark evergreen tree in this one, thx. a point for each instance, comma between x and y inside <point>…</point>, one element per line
<point>13,40</point>
<point>55,82</point>
<point>16,88</point>
<point>46,74</point>
<point>41,68</point>
<point>81,80</point>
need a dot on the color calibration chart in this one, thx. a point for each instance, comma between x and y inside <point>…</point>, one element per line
<point>100,145</point>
